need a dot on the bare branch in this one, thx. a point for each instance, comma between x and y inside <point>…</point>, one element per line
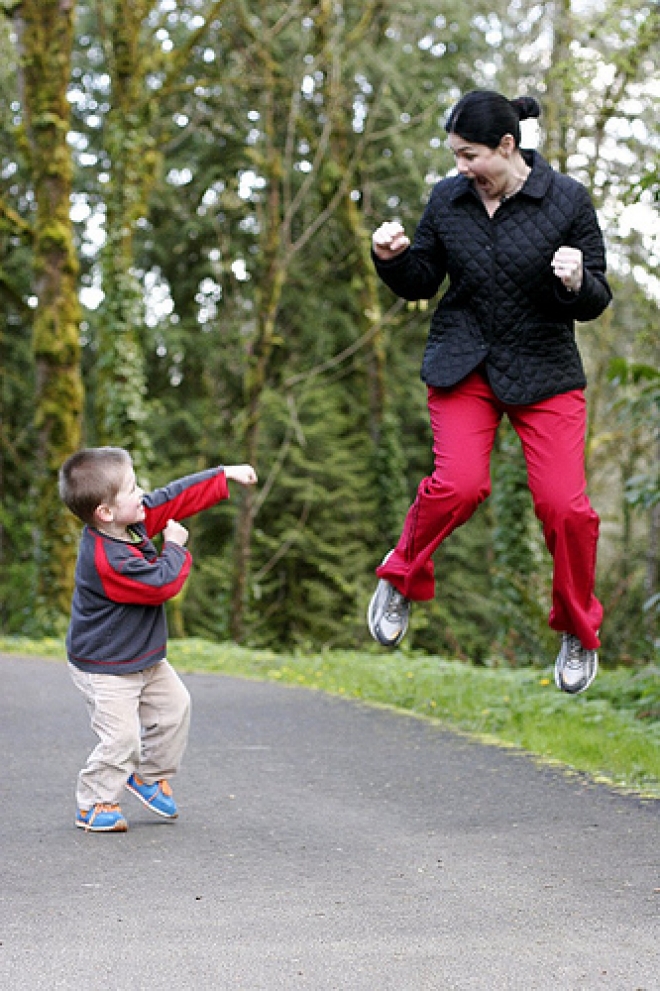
<point>325,366</point>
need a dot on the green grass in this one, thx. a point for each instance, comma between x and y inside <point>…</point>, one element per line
<point>612,733</point>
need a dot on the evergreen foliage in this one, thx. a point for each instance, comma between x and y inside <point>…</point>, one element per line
<point>521,565</point>
<point>231,161</point>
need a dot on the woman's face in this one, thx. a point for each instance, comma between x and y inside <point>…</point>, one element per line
<point>489,168</point>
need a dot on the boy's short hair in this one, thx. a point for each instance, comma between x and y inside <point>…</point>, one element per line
<point>91,477</point>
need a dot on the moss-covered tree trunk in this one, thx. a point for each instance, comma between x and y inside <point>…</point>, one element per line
<point>388,462</point>
<point>131,139</point>
<point>120,398</point>
<point>275,261</point>
<point>45,35</point>
<point>559,86</point>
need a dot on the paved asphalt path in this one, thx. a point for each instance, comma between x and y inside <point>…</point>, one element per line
<point>322,846</point>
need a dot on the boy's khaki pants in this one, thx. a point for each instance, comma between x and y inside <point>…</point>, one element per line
<point>141,720</point>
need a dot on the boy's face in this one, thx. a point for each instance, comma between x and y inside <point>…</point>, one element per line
<point>127,506</point>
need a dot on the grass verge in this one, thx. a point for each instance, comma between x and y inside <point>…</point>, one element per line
<point>611,733</point>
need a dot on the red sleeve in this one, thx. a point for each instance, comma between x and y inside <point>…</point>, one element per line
<point>127,576</point>
<point>184,498</point>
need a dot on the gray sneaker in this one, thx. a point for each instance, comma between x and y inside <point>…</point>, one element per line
<point>389,612</point>
<point>575,667</point>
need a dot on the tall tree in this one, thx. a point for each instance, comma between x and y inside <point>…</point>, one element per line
<point>143,72</point>
<point>285,221</point>
<point>16,377</point>
<point>120,392</point>
<point>45,31</point>
<point>559,85</point>
<point>324,104</point>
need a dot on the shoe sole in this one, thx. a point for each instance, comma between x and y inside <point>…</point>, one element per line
<point>121,827</point>
<point>575,691</point>
<point>148,805</point>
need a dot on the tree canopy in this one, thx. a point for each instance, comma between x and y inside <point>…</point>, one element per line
<point>188,191</point>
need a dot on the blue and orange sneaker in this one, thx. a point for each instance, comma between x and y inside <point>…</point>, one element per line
<point>157,797</point>
<point>102,818</point>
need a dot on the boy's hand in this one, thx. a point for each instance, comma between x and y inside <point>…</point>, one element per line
<point>176,533</point>
<point>243,474</point>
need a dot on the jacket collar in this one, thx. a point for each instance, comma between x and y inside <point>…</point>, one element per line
<point>536,184</point>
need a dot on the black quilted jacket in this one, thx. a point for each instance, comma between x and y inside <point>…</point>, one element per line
<point>504,307</point>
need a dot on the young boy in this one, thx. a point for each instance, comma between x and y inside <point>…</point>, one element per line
<point>117,638</point>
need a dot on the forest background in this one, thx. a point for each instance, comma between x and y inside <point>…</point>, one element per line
<point>187,195</point>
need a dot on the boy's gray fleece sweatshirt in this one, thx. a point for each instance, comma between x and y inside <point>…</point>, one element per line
<point>118,622</point>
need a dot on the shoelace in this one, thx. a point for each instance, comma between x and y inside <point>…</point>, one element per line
<point>574,652</point>
<point>163,785</point>
<point>90,817</point>
<point>396,607</point>
<point>105,807</point>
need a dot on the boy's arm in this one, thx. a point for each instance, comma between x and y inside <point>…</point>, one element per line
<point>184,497</point>
<point>192,494</point>
<point>128,577</point>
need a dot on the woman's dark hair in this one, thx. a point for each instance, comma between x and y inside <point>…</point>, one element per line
<point>484,117</point>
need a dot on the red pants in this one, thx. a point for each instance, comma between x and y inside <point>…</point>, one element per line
<point>464,421</point>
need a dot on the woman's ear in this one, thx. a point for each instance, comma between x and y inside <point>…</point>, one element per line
<point>507,145</point>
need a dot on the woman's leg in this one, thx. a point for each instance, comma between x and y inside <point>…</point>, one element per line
<point>552,433</point>
<point>464,421</point>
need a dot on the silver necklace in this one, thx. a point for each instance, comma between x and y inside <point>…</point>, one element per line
<point>516,189</point>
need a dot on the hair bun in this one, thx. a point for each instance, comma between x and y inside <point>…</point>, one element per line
<point>525,107</point>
